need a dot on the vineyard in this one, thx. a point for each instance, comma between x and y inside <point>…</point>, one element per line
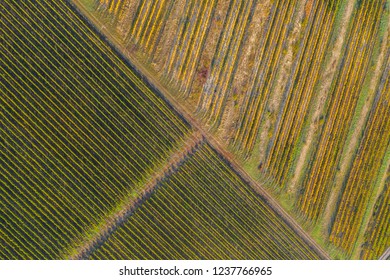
<point>90,146</point>
<point>377,238</point>
<point>343,100</point>
<point>215,129</point>
<point>358,188</point>
<point>193,216</point>
<point>295,90</point>
<point>80,131</point>
<point>300,90</point>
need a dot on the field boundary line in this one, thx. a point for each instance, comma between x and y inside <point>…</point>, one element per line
<point>157,86</point>
<point>386,255</point>
<point>173,163</point>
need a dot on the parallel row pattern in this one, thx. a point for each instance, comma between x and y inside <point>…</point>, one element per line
<point>224,64</point>
<point>144,25</point>
<point>377,237</point>
<point>116,220</point>
<point>343,98</point>
<point>188,44</point>
<point>175,35</point>
<point>204,211</point>
<point>282,83</point>
<point>361,179</point>
<point>263,75</point>
<point>300,90</point>
<point>79,129</point>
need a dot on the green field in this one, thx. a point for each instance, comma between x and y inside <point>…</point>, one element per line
<point>84,137</point>
<point>80,130</point>
<point>204,211</point>
<point>288,87</point>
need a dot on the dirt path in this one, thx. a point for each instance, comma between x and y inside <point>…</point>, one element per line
<point>369,212</point>
<point>353,144</point>
<point>386,255</point>
<point>159,87</point>
<point>282,77</point>
<point>128,207</point>
<point>327,77</point>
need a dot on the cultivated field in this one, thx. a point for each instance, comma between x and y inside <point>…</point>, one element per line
<point>203,210</point>
<point>361,178</point>
<point>296,90</point>
<point>376,239</point>
<point>95,157</point>
<point>80,130</point>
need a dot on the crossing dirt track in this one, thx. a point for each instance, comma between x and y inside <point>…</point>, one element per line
<point>183,129</point>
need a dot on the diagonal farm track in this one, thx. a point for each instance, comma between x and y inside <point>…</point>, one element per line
<point>229,158</point>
